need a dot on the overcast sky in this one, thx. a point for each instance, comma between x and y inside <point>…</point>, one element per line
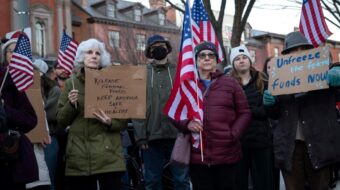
<point>270,17</point>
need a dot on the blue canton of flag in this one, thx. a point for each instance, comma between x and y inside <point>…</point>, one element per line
<point>67,53</point>
<point>202,28</point>
<point>21,67</point>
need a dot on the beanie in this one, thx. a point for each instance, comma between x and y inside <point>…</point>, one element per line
<point>41,65</point>
<point>240,50</point>
<point>205,46</point>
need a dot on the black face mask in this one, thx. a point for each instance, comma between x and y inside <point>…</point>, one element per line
<point>159,53</point>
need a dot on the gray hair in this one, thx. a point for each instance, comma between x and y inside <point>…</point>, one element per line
<point>84,46</point>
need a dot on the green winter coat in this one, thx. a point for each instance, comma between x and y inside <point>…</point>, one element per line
<point>92,147</point>
<point>157,125</point>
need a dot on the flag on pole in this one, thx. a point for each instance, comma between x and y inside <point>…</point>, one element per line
<point>312,22</point>
<point>185,101</point>
<point>21,66</point>
<point>203,29</point>
<point>67,53</point>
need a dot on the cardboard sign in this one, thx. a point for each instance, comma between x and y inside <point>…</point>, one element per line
<point>302,72</point>
<point>40,132</point>
<point>120,91</point>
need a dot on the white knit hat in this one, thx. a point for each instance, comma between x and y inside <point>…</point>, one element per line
<point>41,65</point>
<point>240,50</point>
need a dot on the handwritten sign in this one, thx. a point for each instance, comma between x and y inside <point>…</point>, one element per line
<point>40,131</point>
<point>120,91</point>
<point>302,72</point>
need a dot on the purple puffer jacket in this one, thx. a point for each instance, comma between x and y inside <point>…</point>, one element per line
<point>226,116</point>
<point>20,117</point>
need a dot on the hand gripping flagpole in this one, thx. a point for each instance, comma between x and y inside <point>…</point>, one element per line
<point>196,81</point>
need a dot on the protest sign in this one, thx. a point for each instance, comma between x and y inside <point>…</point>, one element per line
<point>301,72</point>
<point>120,91</point>
<point>40,132</point>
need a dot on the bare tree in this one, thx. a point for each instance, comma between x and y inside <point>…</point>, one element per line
<point>242,12</point>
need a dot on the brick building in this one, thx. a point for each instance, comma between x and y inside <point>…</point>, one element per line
<point>124,26</point>
<point>46,18</point>
<point>262,45</point>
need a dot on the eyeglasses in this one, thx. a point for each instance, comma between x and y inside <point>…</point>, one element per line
<point>204,55</point>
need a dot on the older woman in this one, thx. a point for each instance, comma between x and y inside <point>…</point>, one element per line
<point>226,116</point>
<point>94,151</point>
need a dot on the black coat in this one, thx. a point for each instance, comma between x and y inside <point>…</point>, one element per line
<point>316,112</point>
<point>258,134</point>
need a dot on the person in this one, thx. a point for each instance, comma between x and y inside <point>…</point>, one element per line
<point>257,140</point>
<point>273,123</point>
<point>20,117</point>
<point>305,144</point>
<point>94,150</point>
<point>226,116</point>
<point>50,93</point>
<point>156,134</point>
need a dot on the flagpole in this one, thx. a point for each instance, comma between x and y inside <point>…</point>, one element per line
<point>3,81</point>
<point>196,81</point>
<point>75,103</point>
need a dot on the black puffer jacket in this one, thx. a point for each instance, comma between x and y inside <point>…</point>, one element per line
<point>258,134</point>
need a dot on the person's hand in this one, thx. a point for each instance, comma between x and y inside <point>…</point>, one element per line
<point>102,117</point>
<point>46,141</point>
<point>144,146</point>
<point>73,96</point>
<point>195,126</point>
<point>333,77</point>
<point>268,98</point>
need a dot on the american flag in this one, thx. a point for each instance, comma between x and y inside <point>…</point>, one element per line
<point>67,53</point>
<point>203,29</point>
<point>185,101</point>
<point>20,66</point>
<point>312,22</point>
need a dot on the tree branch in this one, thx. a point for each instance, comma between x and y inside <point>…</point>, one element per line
<point>329,20</point>
<point>247,13</point>
<point>175,6</point>
<point>221,15</point>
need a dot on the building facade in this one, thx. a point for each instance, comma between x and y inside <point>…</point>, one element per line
<point>124,26</point>
<point>47,18</point>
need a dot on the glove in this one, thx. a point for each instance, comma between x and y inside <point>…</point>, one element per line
<point>333,77</point>
<point>268,98</point>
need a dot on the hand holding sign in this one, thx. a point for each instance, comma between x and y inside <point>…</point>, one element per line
<point>102,116</point>
<point>73,97</point>
<point>268,98</point>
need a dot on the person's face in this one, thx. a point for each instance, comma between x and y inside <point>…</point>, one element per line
<point>9,52</point>
<point>61,72</point>
<point>242,63</point>
<point>92,58</point>
<point>270,65</point>
<point>206,60</point>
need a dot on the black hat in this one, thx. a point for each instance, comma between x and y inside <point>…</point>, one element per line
<point>294,40</point>
<point>156,39</point>
<point>205,46</point>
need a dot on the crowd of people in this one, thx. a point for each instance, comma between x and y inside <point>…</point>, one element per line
<point>246,131</point>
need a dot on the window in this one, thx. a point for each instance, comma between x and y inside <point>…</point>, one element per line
<point>40,35</point>
<point>140,42</point>
<point>138,15</point>
<point>161,18</point>
<point>276,52</point>
<point>110,10</point>
<point>253,56</point>
<point>247,33</point>
<point>114,39</point>
<point>339,56</point>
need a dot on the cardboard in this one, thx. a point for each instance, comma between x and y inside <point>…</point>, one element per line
<point>120,91</point>
<point>40,132</point>
<point>302,72</point>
